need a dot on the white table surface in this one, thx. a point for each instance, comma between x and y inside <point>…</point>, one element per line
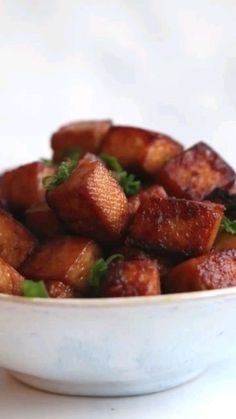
<point>211,395</point>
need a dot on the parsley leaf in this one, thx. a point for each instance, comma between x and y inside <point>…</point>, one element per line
<point>34,289</point>
<point>228,226</point>
<point>98,272</point>
<point>64,171</point>
<point>128,182</point>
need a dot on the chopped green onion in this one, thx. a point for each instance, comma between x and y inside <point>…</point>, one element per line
<point>98,272</point>
<point>128,182</point>
<point>73,153</point>
<point>34,289</point>
<point>64,171</point>
<point>228,226</point>
<point>112,163</point>
<point>47,162</point>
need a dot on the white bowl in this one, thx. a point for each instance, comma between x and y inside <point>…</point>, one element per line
<point>116,347</point>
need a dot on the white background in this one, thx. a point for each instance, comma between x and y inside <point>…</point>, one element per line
<point>165,64</point>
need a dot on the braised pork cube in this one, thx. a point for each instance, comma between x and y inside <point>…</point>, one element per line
<point>81,136</point>
<point>139,150</point>
<point>176,226</point>
<point>5,180</point>
<point>152,191</point>
<point>67,259</point>
<point>132,278</point>
<point>91,202</point>
<point>225,241</point>
<point>134,253</point>
<point>2,198</point>
<point>211,271</point>
<point>58,289</point>
<point>10,280</point>
<point>16,242</point>
<point>43,222</point>
<point>232,189</point>
<point>23,187</point>
<point>195,173</point>
<point>165,263</point>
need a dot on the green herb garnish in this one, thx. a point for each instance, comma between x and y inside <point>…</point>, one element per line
<point>65,169</point>
<point>98,272</point>
<point>73,153</point>
<point>128,182</point>
<point>47,162</point>
<point>228,226</point>
<point>34,289</point>
<point>112,163</point>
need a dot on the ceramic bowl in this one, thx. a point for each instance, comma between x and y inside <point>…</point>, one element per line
<point>116,347</point>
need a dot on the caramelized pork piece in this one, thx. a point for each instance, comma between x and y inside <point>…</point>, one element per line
<point>164,263</point>
<point>58,289</point>
<point>16,242</point>
<point>2,198</point>
<point>225,241</point>
<point>211,271</point>
<point>134,253</point>
<point>132,278</point>
<point>91,202</point>
<point>43,222</point>
<point>139,150</point>
<point>176,226</point>
<point>10,279</point>
<point>232,189</point>
<point>6,180</point>
<point>67,259</point>
<point>195,173</point>
<point>23,187</point>
<point>152,191</point>
<point>85,135</point>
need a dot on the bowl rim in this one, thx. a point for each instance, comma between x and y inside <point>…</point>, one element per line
<point>163,299</point>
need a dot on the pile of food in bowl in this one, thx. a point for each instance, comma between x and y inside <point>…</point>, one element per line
<point>117,212</point>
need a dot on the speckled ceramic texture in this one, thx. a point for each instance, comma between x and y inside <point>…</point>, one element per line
<point>116,347</point>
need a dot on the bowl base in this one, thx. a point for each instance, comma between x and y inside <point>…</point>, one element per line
<point>114,389</point>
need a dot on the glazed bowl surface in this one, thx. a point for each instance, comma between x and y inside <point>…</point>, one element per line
<point>116,347</point>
